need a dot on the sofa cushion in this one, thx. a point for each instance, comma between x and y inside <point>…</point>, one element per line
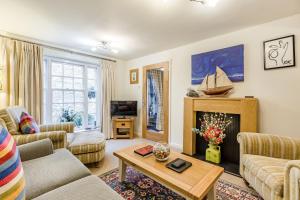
<point>268,170</point>
<point>2,123</point>
<point>85,142</point>
<point>10,123</point>
<point>88,188</point>
<point>12,181</point>
<point>27,124</point>
<point>50,172</point>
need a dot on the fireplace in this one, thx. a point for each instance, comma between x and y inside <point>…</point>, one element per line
<point>244,112</point>
<point>230,151</point>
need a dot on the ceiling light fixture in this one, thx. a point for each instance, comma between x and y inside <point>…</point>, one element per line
<point>210,3</point>
<point>105,45</point>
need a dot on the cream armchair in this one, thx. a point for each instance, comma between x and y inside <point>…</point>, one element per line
<point>271,165</point>
<point>55,132</point>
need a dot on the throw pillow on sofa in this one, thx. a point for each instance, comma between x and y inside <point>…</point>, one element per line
<point>12,182</point>
<point>27,124</point>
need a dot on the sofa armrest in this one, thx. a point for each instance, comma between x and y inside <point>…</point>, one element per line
<point>269,145</point>
<point>35,149</point>
<point>68,127</point>
<point>292,180</point>
<point>58,138</point>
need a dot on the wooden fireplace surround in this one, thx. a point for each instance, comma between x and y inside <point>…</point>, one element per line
<point>247,108</point>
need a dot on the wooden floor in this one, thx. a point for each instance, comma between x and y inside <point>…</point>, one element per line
<point>110,162</point>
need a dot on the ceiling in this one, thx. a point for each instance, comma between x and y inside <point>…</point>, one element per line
<point>135,27</point>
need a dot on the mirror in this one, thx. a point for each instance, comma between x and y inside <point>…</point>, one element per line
<point>156,102</point>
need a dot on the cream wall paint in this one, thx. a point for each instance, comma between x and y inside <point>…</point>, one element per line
<point>277,90</point>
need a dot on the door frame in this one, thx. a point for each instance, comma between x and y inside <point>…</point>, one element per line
<point>151,134</point>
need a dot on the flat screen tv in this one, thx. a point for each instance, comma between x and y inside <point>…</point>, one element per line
<point>123,108</point>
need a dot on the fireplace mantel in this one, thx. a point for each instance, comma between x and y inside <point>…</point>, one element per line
<point>247,108</point>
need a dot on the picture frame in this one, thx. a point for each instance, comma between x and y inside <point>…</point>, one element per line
<point>280,53</point>
<point>134,76</point>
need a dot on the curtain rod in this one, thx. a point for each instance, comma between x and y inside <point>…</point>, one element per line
<point>59,48</point>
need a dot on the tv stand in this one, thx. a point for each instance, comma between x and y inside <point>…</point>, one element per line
<point>123,127</point>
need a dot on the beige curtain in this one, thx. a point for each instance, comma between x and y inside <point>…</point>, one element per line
<point>108,94</point>
<point>23,63</point>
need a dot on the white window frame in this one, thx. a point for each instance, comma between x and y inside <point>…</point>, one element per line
<point>48,60</point>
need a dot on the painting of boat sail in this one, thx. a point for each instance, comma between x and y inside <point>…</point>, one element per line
<point>230,60</point>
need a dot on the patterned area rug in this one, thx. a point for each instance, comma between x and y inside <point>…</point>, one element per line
<point>140,187</point>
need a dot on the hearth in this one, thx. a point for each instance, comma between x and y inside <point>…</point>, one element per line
<point>230,152</point>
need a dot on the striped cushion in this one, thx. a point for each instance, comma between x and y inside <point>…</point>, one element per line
<point>12,182</point>
<point>269,171</point>
<point>11,126</point>
<point>27,124</point>
<point>2,123</point>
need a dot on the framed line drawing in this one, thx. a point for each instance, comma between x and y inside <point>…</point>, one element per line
<point>280,53</point>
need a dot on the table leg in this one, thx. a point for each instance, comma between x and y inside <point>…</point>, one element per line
<point>212,193</point>
<point>122,170</point>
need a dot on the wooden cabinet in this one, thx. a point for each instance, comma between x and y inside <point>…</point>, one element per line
<point>123,128</point>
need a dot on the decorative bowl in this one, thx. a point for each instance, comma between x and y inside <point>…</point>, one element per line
<point>161,151</point>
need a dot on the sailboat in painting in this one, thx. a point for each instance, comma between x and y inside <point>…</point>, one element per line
<point>216,84</point>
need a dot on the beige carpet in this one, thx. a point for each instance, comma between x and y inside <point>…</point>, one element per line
<point>110,162</point>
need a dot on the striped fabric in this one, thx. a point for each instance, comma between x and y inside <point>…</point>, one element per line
<point>270,145</point>
<point>67,127</point>
<point>27,124</point>
<point>11,126</point>
<point>271,165</point>
<point>12,182</point>
<point>2,123</point>
<point>94,157</point>
<point>58,138</point>
<point>88,147</point>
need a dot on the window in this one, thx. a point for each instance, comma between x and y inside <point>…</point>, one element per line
<point>71,93</point>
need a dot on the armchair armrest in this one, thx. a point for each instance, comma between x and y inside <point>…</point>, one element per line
<point>292,180</point>
<point>35,149</point>
<point>269,145</point>
<point>58,138</point>
<point>67,126</point>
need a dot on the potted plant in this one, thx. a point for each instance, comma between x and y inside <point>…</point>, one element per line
<point>212,130</point>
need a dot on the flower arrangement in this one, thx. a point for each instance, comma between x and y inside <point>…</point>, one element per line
<point>213,126</point>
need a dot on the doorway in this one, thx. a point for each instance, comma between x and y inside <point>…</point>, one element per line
<point>156,102</point>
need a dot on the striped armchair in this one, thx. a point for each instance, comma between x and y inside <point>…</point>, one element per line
<point>271,165</point>
<point>55,132</point>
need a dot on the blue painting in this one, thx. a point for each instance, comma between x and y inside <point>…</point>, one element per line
<point>230,60</point>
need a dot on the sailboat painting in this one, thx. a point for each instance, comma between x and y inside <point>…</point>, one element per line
<point>230,60</point>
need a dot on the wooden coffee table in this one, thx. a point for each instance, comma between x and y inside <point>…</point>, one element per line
<point>196,182</point>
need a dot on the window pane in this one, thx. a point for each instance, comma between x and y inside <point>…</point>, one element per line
<point>57,110</point>
<point>92,108</point>
<point>69,107</point>
<point>92,120</point>
<point>56,82</point>
<point>79,97</point>
<point>92,84</point>
<point>78,84</point>
<point>68,83</point>
<point>57,96</point>
<point>68,70</point>
<point>79,107</point>
<point>78,71</point>
<point>68,97</point>
<point>92,73</point>
<point>57,69</point>
<point>92,96</point>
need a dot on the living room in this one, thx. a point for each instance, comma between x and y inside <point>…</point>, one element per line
<point>87,86</point>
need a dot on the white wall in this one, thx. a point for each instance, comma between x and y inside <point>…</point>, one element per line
<point>278,91</point>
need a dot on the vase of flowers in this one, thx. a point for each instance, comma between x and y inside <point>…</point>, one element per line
<point>212,130</point>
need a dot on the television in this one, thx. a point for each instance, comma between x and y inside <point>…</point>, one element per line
<point>123,108</point>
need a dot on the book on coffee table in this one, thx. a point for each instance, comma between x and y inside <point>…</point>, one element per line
<point>144,151</point>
